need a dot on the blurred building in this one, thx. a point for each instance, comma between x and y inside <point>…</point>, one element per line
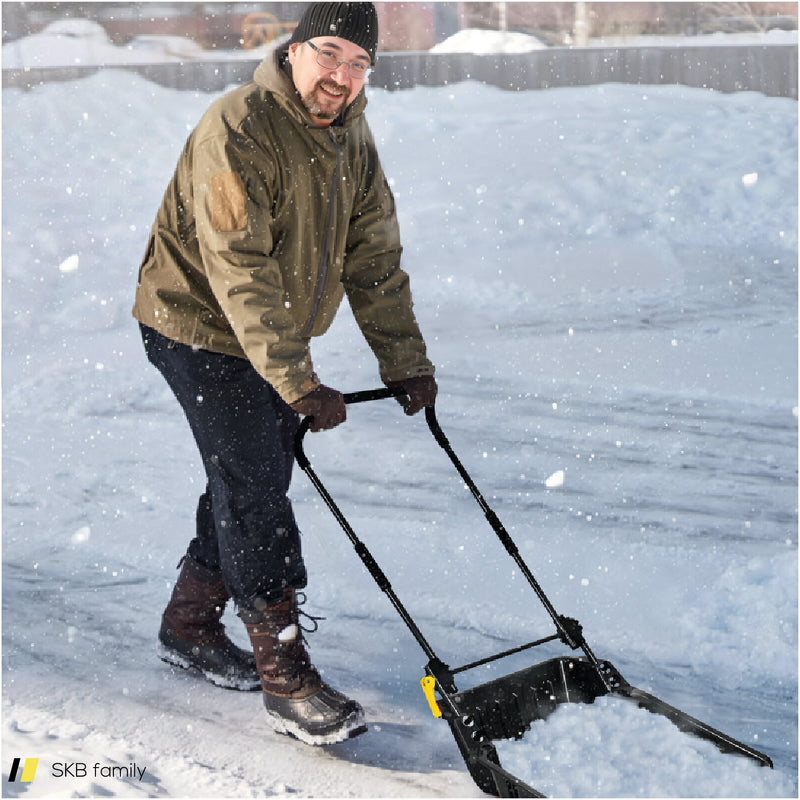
<point>417,26</point>
<point>404,25</point>
<point>555,22</point>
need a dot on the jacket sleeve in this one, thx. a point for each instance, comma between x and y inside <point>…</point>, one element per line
<point>234,228</point>
<point>377,288</point>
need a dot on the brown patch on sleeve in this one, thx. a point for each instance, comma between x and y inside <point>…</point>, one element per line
<point>228,206</point>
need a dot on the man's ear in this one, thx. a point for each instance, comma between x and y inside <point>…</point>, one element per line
<point>293,47</point>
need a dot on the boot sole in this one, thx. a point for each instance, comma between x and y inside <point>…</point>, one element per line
<point>223,681</point>
<point>353,726</point>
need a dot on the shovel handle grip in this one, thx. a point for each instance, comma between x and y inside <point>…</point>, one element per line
<point>373,394</point>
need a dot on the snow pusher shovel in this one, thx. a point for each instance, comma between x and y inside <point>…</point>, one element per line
<point>505,707</point>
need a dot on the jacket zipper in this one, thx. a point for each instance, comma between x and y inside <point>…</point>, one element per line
<point>324,261</point>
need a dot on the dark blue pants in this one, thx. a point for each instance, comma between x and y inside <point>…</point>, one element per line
<point>245,432</point>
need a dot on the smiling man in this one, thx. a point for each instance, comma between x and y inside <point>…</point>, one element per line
<point>277,210</point>
<point>344,70</point>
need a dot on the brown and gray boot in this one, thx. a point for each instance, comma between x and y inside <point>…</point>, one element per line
<point>193,637</point>
<point>296,699</point>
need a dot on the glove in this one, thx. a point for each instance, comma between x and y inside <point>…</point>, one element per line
<point>419,393</point>
<point>326,407</point>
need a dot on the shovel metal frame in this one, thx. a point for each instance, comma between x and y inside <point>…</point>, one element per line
<point>504,708</point>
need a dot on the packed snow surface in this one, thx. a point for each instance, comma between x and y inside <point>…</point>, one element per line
<point>606,278</point>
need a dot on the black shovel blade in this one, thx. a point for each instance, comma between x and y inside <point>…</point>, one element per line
<point>505,708</point>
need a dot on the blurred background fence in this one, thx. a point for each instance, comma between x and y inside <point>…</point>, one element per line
<point>771,69</point>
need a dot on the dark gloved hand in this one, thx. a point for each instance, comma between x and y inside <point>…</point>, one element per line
<point>325,405</point>
<point>420,392</point>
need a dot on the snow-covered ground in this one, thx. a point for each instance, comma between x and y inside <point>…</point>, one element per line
<point>606,277</point>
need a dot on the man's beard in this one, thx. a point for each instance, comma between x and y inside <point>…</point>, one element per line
<point>322,106</point>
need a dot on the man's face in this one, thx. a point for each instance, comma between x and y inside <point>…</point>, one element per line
<point>326,92</point>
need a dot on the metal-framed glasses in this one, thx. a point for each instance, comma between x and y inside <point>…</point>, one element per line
<point>327,59</point>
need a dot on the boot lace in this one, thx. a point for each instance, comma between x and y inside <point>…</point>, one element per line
<point>300,599</point>
<point>300,669</point>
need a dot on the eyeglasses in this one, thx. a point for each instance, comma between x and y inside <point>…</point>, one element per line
<point>325,58</point>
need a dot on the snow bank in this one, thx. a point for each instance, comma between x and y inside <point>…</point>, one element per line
<point>83,42</point>
<point>474,40</point>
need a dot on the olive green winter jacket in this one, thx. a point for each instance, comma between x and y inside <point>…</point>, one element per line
<point>268,221</point>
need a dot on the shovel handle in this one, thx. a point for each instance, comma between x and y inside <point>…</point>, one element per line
<point>361,549</point>
<point>373,394</point>
<point>569,631</point>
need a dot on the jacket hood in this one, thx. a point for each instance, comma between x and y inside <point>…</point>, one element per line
<point>272,76</point>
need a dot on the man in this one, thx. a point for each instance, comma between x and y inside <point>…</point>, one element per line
<point>278,208</point>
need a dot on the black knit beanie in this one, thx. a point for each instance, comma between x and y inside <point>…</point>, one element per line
<point>356,22</point>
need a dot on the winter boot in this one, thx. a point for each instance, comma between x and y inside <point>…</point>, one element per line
<point>193,637</point>
<point>297,701</point>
